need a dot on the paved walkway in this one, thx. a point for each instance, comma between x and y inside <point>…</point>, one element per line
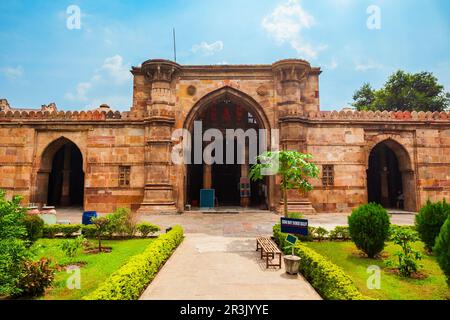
<point>217,259</point>
<point>207,267</point>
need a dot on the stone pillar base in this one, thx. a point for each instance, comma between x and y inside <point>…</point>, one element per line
<point>156,208</point>
<point>303,206</point>
<point>158,199</point>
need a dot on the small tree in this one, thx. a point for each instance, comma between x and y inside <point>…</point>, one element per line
<point>442,249</point>
<point>101,225</point>
<point>293,168</point>
<point>408,257</point>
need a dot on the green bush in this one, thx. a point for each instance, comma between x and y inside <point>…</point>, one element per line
<point>65,230</point>
<point>89,231</point>
<point>328,279</point>
<point>280,237</point>
<point>35,226</point>
<point>407,258</point>
<point>71,247</point>
<point>369,228</point>
<point>429,221</point>
<point>394,228</point>
<point>320,233</point>
<point>147,228</point>
<point>442,249</point>
<point>13,246</point>
<point>36,277</point>
<point>121,222</point>
<point>130,280</point>
<point>340,233</point>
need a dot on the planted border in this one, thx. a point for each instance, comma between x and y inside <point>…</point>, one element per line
<point>329,280</point>
<point>130,280</point>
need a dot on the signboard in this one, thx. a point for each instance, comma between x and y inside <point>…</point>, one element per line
<point>207,198</point>
<point>291,239</point>
<point>294,226</point>
<point>244,188</point>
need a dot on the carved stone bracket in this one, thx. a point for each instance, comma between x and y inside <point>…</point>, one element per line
<point>160,70</point>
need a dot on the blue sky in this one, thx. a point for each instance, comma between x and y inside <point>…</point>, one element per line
<point>42,61</point>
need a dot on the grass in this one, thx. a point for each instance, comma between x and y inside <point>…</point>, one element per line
<point>96,269</point>
<point>393,287</point>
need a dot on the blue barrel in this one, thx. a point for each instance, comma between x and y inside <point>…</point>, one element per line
<point>87,216</point>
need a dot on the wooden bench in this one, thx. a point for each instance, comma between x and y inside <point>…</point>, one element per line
<point>268,250</point>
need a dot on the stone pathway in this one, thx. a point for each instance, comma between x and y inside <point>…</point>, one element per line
<point>207,267</point>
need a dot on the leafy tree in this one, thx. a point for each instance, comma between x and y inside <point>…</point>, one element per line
<point>101,226</point>
<point>364,97</point>
<point>293,168</point>
<point>404,92</point>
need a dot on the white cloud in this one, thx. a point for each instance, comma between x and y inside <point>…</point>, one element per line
<point>368,65</point>
<point>285,25</point>
<point>115,68</point>
<point>208,49</point>
<point>332,65</point>
<point>12,73</point>
<point>112,73</point>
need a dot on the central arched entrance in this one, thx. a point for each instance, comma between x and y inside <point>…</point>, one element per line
<point>60,179</point>
<point>225,112</point>
<point>390,178</point>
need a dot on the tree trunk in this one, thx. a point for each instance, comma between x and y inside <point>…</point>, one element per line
<point>285,202</point>
<point>100,244</point>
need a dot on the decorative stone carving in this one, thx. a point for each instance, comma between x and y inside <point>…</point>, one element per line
<point>291,70</point>
<point>160,70</point>
<point>262,91</point>
<point>191,90</point>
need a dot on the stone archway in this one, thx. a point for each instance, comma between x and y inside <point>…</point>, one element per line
<point>245,113</point>
<point>390,176</point>
<point>60,177</point>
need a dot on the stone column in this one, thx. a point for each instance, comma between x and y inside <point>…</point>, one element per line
<point>65,193</point>
<point>207,176</point>
<point>245,201</point>
<point>161,76</point>
<point>293,92</point>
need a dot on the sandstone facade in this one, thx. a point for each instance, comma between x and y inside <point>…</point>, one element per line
<point>168,96</point>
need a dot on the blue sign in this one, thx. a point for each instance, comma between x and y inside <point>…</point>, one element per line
<point>207,198</point>
<point>294,226</point>
<point>291,239</point>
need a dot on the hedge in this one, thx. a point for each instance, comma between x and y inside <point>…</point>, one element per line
<point>130,280</point>
<point>327,278</point>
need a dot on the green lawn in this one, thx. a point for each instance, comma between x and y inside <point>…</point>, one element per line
<point>97,267</point>
<point>393,287</point>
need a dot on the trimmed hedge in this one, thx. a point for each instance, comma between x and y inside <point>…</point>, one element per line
<point>130,280</point>
<point>327,278</point>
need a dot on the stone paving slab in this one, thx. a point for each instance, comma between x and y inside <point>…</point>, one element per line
<point>207,267</point>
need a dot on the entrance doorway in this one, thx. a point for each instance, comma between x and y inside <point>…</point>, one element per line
<point>390,180</point>
<point>60,180</point>
<point>229,179</point>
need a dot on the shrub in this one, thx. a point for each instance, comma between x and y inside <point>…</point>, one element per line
<point>130,280</point>
<point>13,249</point>
<point>89,231</point>
<point>320,233</point>
<point>429,221</point>
<point>122,222</point>
<point>442,249</point>
<point>328,279</point>
<point>36,277</point>
<point>340,233</point>
<point>66,230</point>
<point>147,228</point>
<point>369,228</point>
<point>394,228</point>
<point>13,255</point>
<point>295,215</point>
<point>72,247</point>
<point>408,257</point>
<point>34,226</point>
